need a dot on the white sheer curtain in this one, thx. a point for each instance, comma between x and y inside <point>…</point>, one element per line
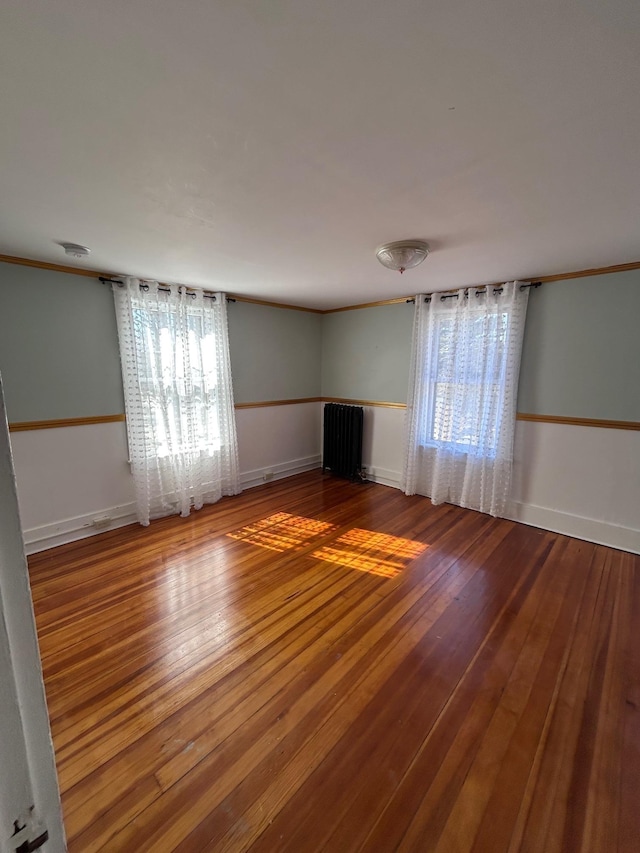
<point>174,351</point>
<point>462,396</point>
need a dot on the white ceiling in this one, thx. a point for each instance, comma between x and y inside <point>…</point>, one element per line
<point>266,147</point>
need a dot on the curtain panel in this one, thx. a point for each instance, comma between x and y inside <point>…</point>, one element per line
<point>462,398</point>
<point>174,350</point>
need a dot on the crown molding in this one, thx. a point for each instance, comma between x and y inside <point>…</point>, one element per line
<point>543,279</point>
<point>45,265</point>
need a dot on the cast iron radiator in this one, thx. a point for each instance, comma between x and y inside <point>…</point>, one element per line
<point>343,440</point>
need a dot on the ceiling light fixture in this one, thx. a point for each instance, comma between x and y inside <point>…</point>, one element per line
<point>75,250</point>
<point>403,254</point>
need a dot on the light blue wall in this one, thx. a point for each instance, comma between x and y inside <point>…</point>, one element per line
<point>59,351</point>
<point>58,345</point>
<point>365,353</point>
<point>581,353</point>
<point>59,354</point>
<point>275,352</point>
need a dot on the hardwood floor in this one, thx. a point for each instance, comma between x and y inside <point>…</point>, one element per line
<point>459,683</point>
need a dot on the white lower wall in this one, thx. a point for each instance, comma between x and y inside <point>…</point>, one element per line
<point>69,476</point>
<point>581,481</point>
<point>382,444</point>
<point>277,440</point>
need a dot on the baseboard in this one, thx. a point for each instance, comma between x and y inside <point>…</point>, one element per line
<point>260,476</point>
<point>71,529</point>
<point>590,529</point>
<point>384,476</point>
<point>82,526</point>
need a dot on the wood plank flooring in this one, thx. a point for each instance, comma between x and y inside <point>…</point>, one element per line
<point>351,670</point>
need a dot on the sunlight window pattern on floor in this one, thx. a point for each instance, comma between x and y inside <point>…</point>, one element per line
<point>369,551</point>
<point>282,531</point>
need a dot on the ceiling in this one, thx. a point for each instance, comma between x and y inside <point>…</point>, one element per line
<point>267,147</point>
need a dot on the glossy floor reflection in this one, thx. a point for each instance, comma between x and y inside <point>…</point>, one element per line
<point>254,693</point>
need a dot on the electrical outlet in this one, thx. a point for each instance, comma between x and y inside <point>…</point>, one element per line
<point>101,522</point>
<point>268,475</point>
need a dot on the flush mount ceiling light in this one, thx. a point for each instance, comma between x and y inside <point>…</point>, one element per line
<point>403,254</point>
<point>75,250</point>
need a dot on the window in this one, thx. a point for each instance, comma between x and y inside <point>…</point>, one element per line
<point>462,396</point>
<point>178,382</point>
<point>462,388</point>
<point>178,396</point>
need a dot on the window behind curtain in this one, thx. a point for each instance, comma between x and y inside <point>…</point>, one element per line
<point>463,387</point>
<point>178,379</point>
<point>178,394</point>
<point>462,397</point>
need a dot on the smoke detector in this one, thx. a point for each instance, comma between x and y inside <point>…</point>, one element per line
<point>74,250</point>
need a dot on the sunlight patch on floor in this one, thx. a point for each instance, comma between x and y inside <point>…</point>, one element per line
<point>282,531</point>
<point>367,551</point>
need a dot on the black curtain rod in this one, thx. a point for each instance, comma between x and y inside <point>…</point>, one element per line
<point>482,292</point>
<point>145,286</point>
<point>478,292</point>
